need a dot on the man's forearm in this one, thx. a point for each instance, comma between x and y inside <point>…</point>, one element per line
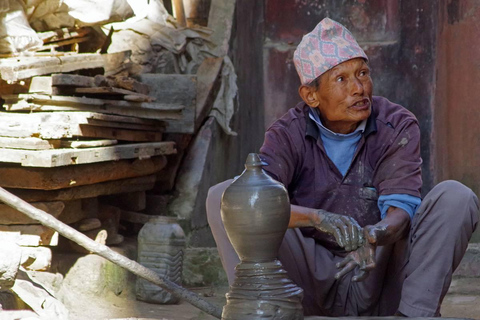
<point>303,217</point>
<point>392,228</point>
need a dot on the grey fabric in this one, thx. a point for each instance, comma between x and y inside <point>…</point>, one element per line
<point>412,275</point>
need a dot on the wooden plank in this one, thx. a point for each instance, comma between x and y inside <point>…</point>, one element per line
<point>75,101</point>
<point>73,212</point>
<point>132,85</point>
<point>27,143</point>
<point>133,126</point>
<point>86,143</point>
<point>41,85</point>
<point>175,89</point>
<point>115,91</point>
<point>9,216</point>
<point>79,175</point>
<point>13,69</point>
<point>65,157</point>
<point>207,76</point>
<point>80,116</point>
<point>72,80</point>
<point>135,217</point>
<point>153,114</point>
<point>63,34</point>
<point>33,235</point>
<point>118,134</point>
<point>68,125</point>
<point>87,191</point>
<point>56,44</point>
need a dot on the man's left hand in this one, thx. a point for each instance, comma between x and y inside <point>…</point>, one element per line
<point>363,257</point>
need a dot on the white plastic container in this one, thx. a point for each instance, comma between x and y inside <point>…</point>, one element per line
<point>161,246</point>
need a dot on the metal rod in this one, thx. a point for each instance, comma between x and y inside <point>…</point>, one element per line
<point>104,251</point>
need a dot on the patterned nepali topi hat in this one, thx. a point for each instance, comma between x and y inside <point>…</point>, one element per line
<point>328,45</point>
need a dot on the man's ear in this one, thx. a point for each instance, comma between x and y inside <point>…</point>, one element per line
<point>309,95</point>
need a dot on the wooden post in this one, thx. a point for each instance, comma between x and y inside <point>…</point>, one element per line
<point>104,251</point>
<point>179,13</point>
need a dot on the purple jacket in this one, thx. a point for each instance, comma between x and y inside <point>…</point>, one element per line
<point>387,161</point>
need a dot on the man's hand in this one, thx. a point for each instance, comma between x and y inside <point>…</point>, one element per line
<point>363,257</point>
<point>346,230</point>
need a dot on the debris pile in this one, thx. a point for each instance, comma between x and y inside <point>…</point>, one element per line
<point>94,124</point>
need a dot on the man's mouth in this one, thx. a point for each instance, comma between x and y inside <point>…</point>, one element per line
<point>362,104</point>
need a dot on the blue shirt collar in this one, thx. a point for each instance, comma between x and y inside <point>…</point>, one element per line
<point>314,115</point>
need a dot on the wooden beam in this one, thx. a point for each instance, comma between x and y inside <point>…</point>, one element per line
<point>27,143</point>
<point>85,143</point>
<point>207,76</point>
<point>74,101</point>
<point>71,80</point>
<point>79,175</point>
<point>65,157</point>
<point>33,235</point>
<point>133,126</point>
<point>87,191</point>
<point>61,125</point>
<point>131,84</point>
<point>135,217</point>
<point>77,116</point>
<point>179,89</point>
<point>119,134</point>
<point>153,114</point>
<point>63,34</point>
<point>137,97</point>
<point>148,110</point>
<point>13,69</point>
<point>9,216</point>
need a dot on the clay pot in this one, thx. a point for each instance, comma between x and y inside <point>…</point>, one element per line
<point>255,211</point>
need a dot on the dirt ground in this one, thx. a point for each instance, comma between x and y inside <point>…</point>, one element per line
<point>462,301</point>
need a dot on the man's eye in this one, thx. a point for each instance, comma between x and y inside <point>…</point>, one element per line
<point>363,73</point>
<point>339,79</point>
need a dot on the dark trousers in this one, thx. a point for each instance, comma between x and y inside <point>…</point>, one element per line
<point>412,275</point>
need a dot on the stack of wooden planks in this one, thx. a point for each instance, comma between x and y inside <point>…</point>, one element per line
<point>86,142</point>
<point>75,128</point>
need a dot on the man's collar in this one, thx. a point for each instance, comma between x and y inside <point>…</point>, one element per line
<point>313,130</point>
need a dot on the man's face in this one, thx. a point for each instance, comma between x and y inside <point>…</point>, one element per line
<point>345,95</point>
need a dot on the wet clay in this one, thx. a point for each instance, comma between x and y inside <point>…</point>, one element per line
<point>255,212</point>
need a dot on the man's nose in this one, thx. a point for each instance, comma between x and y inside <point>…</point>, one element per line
<point>357,87</point>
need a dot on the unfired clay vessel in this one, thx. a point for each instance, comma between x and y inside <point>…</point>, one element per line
<point>255,211</point>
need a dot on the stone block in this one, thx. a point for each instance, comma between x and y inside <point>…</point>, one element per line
<point>39,300</point>
<point>95,276</point>
<point>36,258</point>
<point>10,256</point>
<point>32,235</point>
<point>202,267</point>
<point>73,211</point>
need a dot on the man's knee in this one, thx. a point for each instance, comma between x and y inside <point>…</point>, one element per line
<point>458,199</point>
<point>458,190</point>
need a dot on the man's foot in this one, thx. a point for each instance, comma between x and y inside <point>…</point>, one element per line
<point>399,314</point>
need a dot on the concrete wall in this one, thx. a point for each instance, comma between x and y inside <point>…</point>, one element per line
<point>457,95</point>
<point>398,36</point>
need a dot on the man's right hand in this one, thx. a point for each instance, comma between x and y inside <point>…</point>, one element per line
<point>346,230</point>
